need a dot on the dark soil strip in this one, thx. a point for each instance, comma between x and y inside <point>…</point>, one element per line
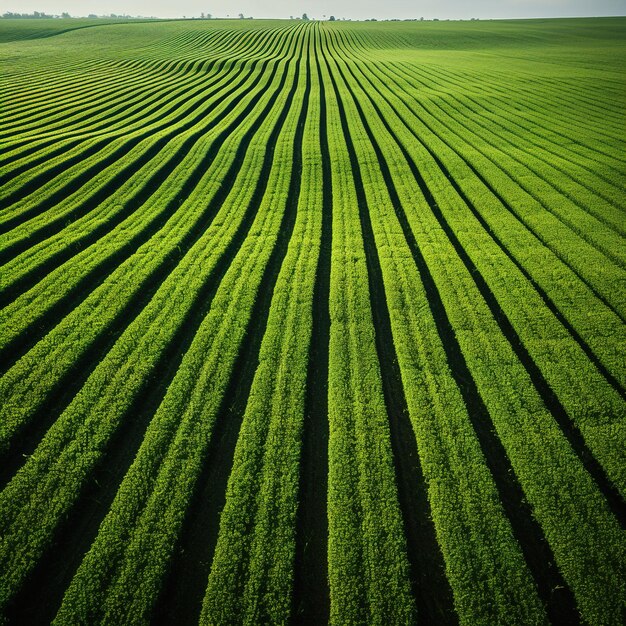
<point>311,595</point>
<point>555,594</point>
<point>550,399</point>
<point>26,441</point>
<point>181,597</point>
<point>430,586</point>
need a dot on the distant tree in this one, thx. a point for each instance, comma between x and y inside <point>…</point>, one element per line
<point>291,17</point>
<point>241,16</point>
<point>209,16</point>
<point>421,19</point>
<point>331,18</point>
<point>202,15</point>
<point>305,17</point>
<point>92,16</point>
<point>65,15</point>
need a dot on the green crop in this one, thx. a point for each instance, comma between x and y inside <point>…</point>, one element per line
<point>313,321</point>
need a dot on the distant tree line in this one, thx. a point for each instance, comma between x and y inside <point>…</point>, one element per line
<point>29,16</point>
<point>39,15</point>
<point>208,16</point>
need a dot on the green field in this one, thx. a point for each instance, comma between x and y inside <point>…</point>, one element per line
<point>313,322</point>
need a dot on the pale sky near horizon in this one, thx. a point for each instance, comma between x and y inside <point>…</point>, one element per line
<point>318,9</point>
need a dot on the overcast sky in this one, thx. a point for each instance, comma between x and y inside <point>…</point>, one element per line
<point>356,9</point>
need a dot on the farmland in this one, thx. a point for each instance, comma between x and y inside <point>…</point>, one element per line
<point>310,322</point>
